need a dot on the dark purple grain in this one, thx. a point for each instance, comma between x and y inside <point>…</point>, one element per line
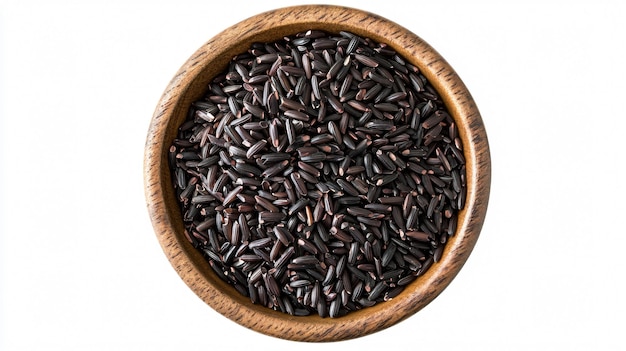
<point>319,174</point>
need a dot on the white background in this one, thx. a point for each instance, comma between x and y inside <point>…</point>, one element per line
<point>81,268</point>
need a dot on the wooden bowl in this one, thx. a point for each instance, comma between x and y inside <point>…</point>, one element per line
<point>189,84</point>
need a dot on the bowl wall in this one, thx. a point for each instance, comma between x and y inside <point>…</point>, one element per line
<point>190,84</point>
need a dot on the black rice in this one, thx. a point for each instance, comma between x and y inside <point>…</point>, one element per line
<point>320,174</point>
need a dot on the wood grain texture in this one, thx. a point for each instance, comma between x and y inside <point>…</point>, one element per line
<point>189,84</point>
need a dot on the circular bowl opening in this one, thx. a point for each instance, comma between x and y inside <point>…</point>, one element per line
<point>190,84</point>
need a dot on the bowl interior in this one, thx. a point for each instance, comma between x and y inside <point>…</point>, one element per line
<point>190,84</point>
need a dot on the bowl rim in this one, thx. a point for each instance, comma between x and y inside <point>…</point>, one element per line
<point>270,26</point>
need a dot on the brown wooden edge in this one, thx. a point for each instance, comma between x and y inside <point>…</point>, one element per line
<point>187,86</point>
